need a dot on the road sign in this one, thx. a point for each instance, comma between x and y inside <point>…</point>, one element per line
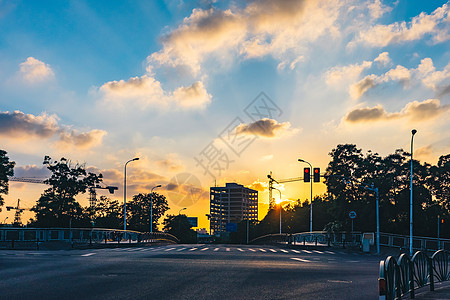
<point>352,214</point>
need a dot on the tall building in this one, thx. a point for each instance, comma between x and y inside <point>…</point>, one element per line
<point>231,204</point>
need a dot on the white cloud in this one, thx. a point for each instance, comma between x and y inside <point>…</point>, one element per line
<point>34,70</point>
<point>377,9</point>
<point>192,96</point>
<point>425,73</point>
<point>435,25</point>
<point>145,91</point>
<point>337,75</point>
<point>416,111</point>
<point>282,29</point>
<point>20,126</point>
<point>267,128</point>
<point>383,59</point>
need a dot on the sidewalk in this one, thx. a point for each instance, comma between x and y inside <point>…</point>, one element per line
<point>441,291</point>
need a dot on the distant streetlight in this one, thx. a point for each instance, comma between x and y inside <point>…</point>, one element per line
<point>181,210</point>
<point>413,132</point>
<point>280,206</point>
<point>4,221</point>
<point>125,194</point>
<point>311,207</point>
<point>151,207</point>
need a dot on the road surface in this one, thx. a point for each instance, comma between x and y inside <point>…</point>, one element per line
<point>188,272</point>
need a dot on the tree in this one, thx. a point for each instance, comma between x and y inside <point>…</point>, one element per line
<point>179,226</point>
<point>138,211</point>
<point>107,213</point>
<point>6,169</point>
<point>57,206</point>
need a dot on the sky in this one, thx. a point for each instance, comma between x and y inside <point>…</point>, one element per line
<point>209,92</point>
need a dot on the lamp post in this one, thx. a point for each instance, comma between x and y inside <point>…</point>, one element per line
<point>125,194</point>
<point>413,132</point>
<point>181,210</point>
<point>311,208</point>
<point>280,206</point>
<point>151,207</point>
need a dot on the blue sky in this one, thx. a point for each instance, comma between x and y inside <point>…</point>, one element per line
<point>101,82</point>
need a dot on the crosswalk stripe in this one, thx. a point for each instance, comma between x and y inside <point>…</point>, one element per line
<point>300,259</point>
<point>240,249</point>
<point>273,250</point>
<point>330,252</point>
<point>88,254</point>
<point>320,252</point>
<point>216,249</point>
<point>204,249</point>
<point>228,249</point>
<point>282,250</point>
<point>262,250</point>
<point>253,250</point>
<point>306,251</point>
<point>170,249</point>
<point>296,251</point>
<point>181,249</point>
<point>192,249</point>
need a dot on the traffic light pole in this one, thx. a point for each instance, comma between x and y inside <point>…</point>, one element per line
<point>311,207</point>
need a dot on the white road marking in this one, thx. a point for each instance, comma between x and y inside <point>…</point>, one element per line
<point>170,249</point>
<point>181,249</point>
<point>192,249</point>
<point>204,249</point>
<point>306,251</point>
<point>240,249</point>
<point>353,261</point>
<point>273,250</point>
<point>88,254</point>
<point>296,251</point>
<point>228,249</point>
<point>340,281</point>
<point>262,250</point>
<point>282,250</point>
<point>320,252</point>
<point>329,252</point>
<point>216,249</point>
<point>300,259</point>
<point>253,250</point>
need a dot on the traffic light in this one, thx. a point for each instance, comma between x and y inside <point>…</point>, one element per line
<point>316,174</point>
<point>307,174</point>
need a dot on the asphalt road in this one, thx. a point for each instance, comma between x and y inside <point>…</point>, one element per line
<point>188,272</point>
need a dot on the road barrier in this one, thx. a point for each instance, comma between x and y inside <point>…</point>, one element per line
<point>311,238</point>
<point>419,242</point>
<point>405,275</point>
<point>21,237</point>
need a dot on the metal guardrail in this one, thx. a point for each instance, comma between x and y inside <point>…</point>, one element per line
<point>315,237</point>
<point>419,242</point>
<point>11,236</point>
<point>405,275</point>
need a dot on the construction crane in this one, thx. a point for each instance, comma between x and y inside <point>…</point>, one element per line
<point>18,214</point>
<point>92,192</point>
<point>272,180</point>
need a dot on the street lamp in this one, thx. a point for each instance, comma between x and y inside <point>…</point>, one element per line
<point>280,206</point>
<point>125,194</point>
<point>311,208</point>
<point>181,210</point>
<point>151,207</point>
<point>413,132</point>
